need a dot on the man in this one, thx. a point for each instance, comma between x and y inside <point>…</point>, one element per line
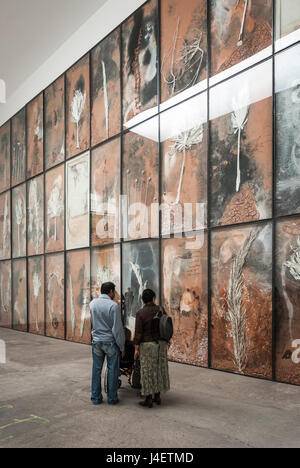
<point>108,340</point>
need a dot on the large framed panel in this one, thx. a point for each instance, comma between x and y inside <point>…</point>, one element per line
<point>185,297</point>
<point>5,295</point>
<point>55,210</point>
<point>106,88</point>
<point>287,85</point>
<point>184,137</point>
<point>35,227</point>
<point>106,193</point>
<point>5,157</point>
<point>288,300</point>
<point>55,296</point>
<point>141,181</point>
<point>19,282</point>
<point>287,23</point>
<point>18,142</point>
<point>78,202</point>
<point>78,296</point>
<point>19,221</point>
<point>35,137</point>
<point>140,62</point>
<point>140,272</point>
<point>241,148</point>
<point>5,226</point>
<point>78,107</point>
<point>241,334</point>
<point>183,46</point>
<point>55,123</point>
<point>239,30</point>
<point>36,295</point>
<point>106,267</point>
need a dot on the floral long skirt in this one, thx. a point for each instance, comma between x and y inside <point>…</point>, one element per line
<point>154,368</point>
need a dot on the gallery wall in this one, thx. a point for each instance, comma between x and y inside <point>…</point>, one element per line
<point>192,107</point>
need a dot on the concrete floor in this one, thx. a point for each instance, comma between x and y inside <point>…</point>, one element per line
<point>45,402</point>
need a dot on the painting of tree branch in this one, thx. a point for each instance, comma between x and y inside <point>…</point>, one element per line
<point>20,295</point>
<point>140,183</point>
<point>19,221</point>
<point>5,226</point>
<point>78,297</point>
<point>140,271</point>
<point>78,108</point>
<point>55,216</point>
<point>5,157</point>
<point>106,267</point>
<point>239,30</point>
<point>183,45</point>
<point>36,295</point>
<point>140,61</point>
<point>55,296</point>
<point>242,300</point>
<point>55,123</point>
<point>35,137</point>
<point>106,89</point>
<point>78,202</point>
<point>18,142</point>
<point>5,295</point>
<point>287,133</point>
<point>35,228</point>
<point>106,193</point>
<point>287,299</point>
<point>185,297</point>
<point>241,154</point>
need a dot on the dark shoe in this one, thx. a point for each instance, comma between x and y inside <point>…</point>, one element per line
<point>157,399</point>
<point>97,403</point>
<point>147,403</point>
<point>113,402</point>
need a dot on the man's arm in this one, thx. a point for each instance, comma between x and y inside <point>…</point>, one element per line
<point>117,330</point>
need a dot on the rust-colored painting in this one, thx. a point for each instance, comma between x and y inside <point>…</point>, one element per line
<point>140,184</point>
<point>239,29</point>
<point>35,228</point>
<point>55,296</point>
<point>140,61</point>
<point>55,123</point>
<point>36,303</point>
<point>184,167</point>
<point>106,193</point>
<point>5,295</point>
<point>78,297</point>
<point>20,295</point>
<point>106,268</point>
<point>106,89</point>
<point>241,335</point>
<point>5,157</point>
<point>78,107</point>
<point>19,221</point>
<point>183,45</point>
<point>288,301</point>
<point>55,216</point>
<point>35,137</point>
<point>18,142</point>
<point>185,297</point>
<point>241,164</point>
<point>5,226</point>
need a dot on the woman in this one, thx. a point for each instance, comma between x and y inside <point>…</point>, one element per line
<point>153,353</point>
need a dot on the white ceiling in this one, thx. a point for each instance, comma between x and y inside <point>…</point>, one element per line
<point>32,30</point>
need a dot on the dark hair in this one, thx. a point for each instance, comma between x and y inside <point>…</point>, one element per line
<point>106,288</point>
<point>148,296</point>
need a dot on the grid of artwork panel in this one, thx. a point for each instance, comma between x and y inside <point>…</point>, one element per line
<point>168,157</point>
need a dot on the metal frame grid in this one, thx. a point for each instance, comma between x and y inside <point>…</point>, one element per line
<point>120,136</point>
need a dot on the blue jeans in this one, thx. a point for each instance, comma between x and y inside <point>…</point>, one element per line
<point>112,353</point>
